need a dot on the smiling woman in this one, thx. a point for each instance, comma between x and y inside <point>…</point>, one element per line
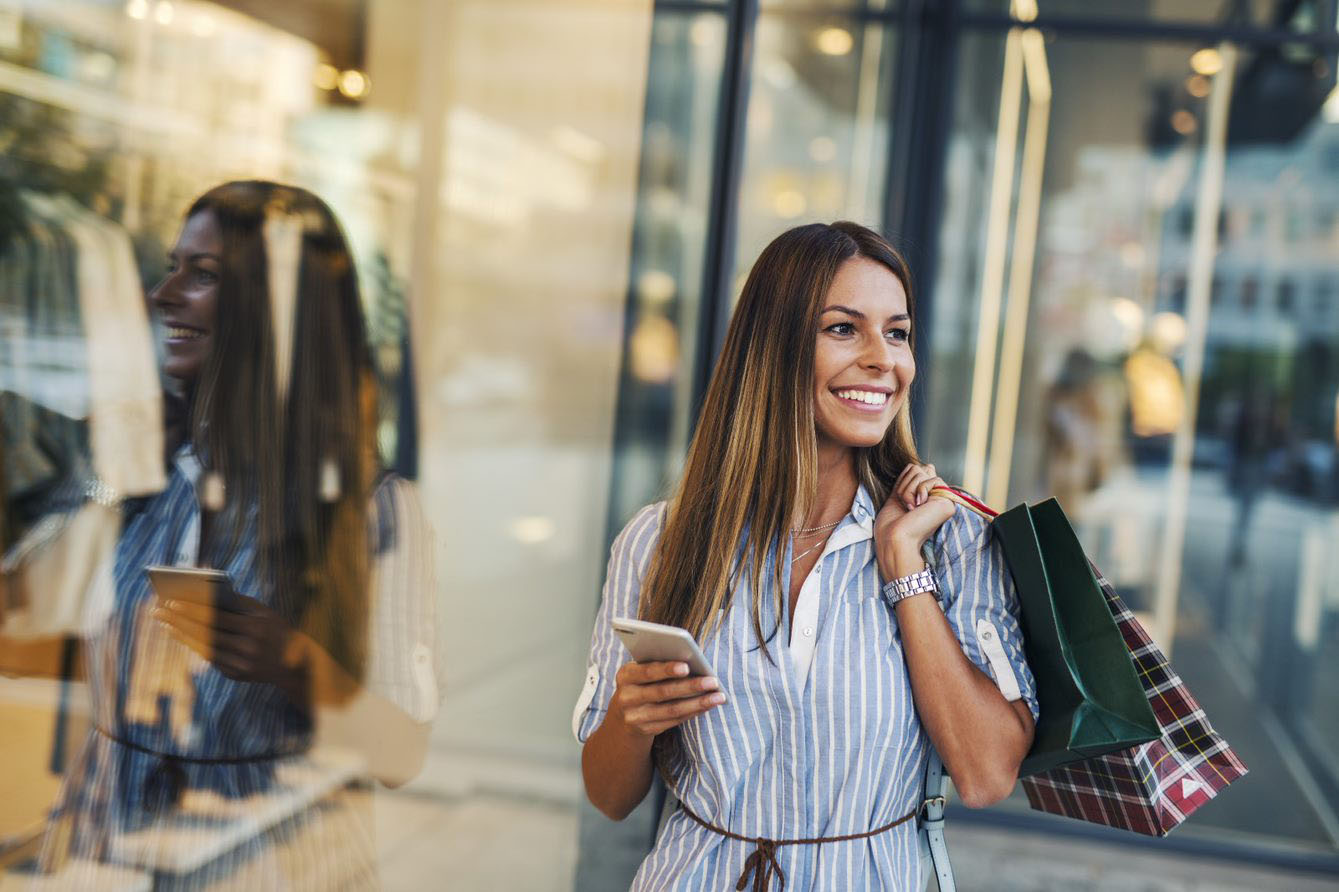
<point>187,297</point>
<point>206,701</point>
<point>792,550</point>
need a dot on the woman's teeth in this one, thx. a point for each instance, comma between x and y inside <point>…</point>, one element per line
<point>871,397</point>
<point>183,334</point>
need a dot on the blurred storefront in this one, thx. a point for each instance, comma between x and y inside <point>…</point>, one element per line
<point>482,160</point>
<point>1124,221</point>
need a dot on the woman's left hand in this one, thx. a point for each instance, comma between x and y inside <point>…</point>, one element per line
<point>244,639</point>
<point>909,517</point>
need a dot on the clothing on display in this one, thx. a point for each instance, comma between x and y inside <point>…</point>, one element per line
<point>80,407</point>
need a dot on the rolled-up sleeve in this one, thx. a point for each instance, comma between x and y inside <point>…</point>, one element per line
<point>404,659</point>
<point>981,603</point>
<point>628,559</point>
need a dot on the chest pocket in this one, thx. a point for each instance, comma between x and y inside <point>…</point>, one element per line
<point>859,679</point>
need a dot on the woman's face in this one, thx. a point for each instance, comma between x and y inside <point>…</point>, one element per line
<point>863,364</point>
<point>186,300</point>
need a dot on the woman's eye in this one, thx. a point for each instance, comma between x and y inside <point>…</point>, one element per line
<point>899,334</point>
<point>208,277</point>
<point>841,328</point>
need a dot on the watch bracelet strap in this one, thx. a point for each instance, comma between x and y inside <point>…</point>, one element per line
<point>905,586</point>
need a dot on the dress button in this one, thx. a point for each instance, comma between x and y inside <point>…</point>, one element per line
<point>809,632</point>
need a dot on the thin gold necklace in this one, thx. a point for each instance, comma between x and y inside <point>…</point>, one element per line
<point>817,529</point>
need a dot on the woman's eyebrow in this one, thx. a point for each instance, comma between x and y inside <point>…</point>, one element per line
<point>841,308</point>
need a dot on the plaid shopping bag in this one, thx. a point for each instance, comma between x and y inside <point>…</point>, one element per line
<point>1153,787</point>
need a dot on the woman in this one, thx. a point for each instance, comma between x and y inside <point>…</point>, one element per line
<point>792,550</point>
<point>203,716</point>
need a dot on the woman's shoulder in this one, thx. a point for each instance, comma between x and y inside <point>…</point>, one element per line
<point>638,539</point>
<point>640,533</point>
<point>395,510</point>
<point>964,528</point>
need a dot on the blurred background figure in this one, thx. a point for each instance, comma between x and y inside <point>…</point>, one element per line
<point>1254,436</point>
<point>1083,444</point>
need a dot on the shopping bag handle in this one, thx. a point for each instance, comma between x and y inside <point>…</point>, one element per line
<point>966,500</point>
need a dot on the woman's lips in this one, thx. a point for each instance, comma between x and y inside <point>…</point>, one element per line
<point>862,400</point>
<point>180,334</point>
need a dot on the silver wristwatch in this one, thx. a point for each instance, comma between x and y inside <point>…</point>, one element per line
<point>905,586</point>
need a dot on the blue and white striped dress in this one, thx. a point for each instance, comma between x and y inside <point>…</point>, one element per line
<point>152,698</point>
<point>824,739</point>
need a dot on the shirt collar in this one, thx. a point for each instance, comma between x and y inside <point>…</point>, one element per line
<point>857,526</point>
<point>863,510</point>
<point>187,463</point>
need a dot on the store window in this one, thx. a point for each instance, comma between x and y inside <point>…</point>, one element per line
<point>1190,435</point>
<point>481,161</point>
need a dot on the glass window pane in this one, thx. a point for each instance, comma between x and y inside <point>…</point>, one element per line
<point>817,131</point>
<point>1218,527</point>
<point>1308,16</point>
<point>669,243</point>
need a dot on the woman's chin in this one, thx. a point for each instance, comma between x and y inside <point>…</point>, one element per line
<point>857,439</point>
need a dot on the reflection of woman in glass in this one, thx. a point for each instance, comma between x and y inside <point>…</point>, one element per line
<point>792,550</point>
<point>204,715</point>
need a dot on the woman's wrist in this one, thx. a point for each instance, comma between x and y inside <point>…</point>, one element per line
<point>900,557</point>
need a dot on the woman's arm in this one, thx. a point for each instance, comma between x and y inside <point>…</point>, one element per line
<point>981,736</point>
<point>386,710</point>
<point>258,646</point>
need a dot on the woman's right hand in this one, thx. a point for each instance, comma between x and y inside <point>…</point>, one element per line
<point>650,698</point>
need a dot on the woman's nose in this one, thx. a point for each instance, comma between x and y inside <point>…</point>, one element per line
<point>164,292</point>
<point>879,356</point>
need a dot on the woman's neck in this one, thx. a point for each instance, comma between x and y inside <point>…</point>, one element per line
<point>837,483</point>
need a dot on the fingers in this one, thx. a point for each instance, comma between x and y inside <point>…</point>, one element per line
<point>212,641</point>
<point>654,697</point>
<point>654,718</point>
<point>670,689</point>
<point>914,484</point>
<point>646,673</point>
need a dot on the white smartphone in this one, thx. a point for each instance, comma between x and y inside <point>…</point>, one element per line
<point>657,643</point>
<point>209,588</point>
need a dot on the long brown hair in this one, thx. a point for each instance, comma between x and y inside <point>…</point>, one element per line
<point>295,444</point>
<point>752,467</point>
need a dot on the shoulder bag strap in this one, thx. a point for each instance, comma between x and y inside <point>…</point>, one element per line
<point>932,822</point>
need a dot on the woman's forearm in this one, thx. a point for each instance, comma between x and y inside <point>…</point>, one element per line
<point>393,742</point>
<point>351,714</point>
<point>616,766</point>
<point>981,737</point>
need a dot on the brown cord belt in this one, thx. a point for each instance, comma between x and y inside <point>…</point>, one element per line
<point>762,863</point>
<point>164,783</point>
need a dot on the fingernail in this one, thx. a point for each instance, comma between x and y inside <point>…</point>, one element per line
<point>710,684</point>
<point>716,699</point>
<point>680,668</point>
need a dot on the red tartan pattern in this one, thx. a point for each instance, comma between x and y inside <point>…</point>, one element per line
<point>1154,787</point>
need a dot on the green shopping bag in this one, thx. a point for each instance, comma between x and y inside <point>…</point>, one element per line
<point>1090,698</point>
